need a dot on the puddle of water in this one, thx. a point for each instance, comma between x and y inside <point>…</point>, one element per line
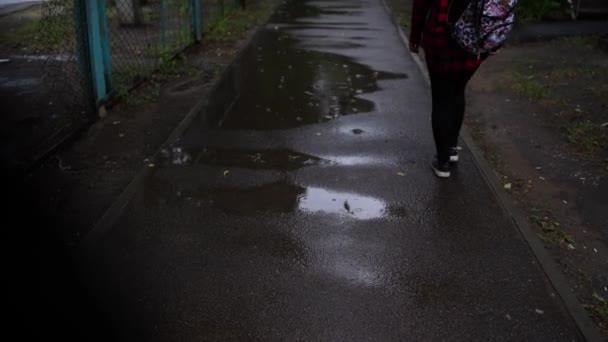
<point>283,83</point>
<point>277,197</point>
<point>341,203</point>
<point>354,160</point>
<point>6,82</point>
<point>176,156</point>
<point>280,159</point>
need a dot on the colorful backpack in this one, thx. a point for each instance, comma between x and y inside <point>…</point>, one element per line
<point>483,25</point>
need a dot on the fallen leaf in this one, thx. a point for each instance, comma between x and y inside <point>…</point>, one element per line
<point>539,311</point>
<point>151,165</point>
<point>508,186</point>
<point>401,174</point>
<point>571,247</point>
<point>226,173</point>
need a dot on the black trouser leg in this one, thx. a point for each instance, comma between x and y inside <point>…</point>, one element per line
<point>448,98</point>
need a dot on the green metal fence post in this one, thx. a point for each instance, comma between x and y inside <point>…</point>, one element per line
<point>91,16</point>
<point>197,20</point>
<point>80,25</point>
<point>105,43</point>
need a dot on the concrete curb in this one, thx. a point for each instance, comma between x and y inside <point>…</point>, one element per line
<point>113,213</point>
<point>584,323</point>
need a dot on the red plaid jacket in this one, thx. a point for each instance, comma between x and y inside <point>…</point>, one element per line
<point>429,30</point>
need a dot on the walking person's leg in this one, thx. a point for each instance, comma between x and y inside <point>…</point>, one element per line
<point>459,81</point>
<point>442,120</point>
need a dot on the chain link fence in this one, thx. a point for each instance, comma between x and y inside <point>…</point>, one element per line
<point>54,69</point>
<point>62,42</point>
<point>144,34</point>
<point>44,85</point>
<point>212,12</point>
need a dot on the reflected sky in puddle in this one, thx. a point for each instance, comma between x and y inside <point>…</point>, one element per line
<point>278,197</point>
<point>176,156</point>
<point>353,160</point>
<point>349,204</point>
<point>287,80</point>
<point>280,159</point>
<point>6,82</point>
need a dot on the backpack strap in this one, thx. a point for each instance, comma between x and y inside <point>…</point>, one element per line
<point>456,9</point>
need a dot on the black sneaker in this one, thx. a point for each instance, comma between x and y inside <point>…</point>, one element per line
<point>454,155</point>
<point>442,170</point>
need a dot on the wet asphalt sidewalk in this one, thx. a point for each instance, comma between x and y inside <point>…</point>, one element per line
<point>309,211</point>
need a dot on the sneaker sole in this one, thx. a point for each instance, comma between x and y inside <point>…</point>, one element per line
<point>440,174</point>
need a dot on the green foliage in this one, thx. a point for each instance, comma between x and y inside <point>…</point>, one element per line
<point>528,86</point>
<point>599,308</point>
<point>53,32</point>
<point>586,136</point>
<point>237,21</point>
<point>536,10</point>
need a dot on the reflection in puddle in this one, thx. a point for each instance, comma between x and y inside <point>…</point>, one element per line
<point>5,82</point>
<point>280,159</point>
<point>278,197</point>
<point>176,156</point>
<point>287,80</point>
<point>361,207</point>
<point>353,160</point>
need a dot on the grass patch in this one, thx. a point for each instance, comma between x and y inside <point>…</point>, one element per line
<point>588,40</point>
<point>586,136</point>
<point>551,229</point>
<point>231,27</point>
<point>528,86</point>
<point>154,74</point>
<point>568,71</point>
<point>402,11</point>
<point>147,93</point>
<point>537,10</point>
<point>599,308</point>
<point>53,32</point>
<point>236,22</point>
